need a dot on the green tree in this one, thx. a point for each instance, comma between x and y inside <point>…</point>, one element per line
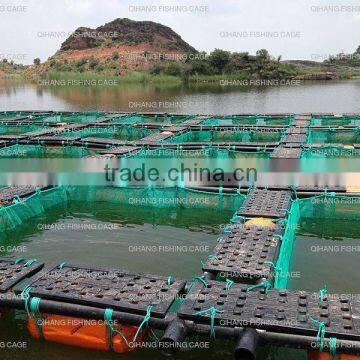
<point>80,62</point>
<point>173,69</point>
<point>239,61</point>
<point>263,56</point>
<point>37,61</point>
<point>115,55</point>
<point>219,59</point>
<point>93,62</point>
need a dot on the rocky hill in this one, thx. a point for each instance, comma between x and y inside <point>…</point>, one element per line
<point>126,32</point>
<point>118,47</point>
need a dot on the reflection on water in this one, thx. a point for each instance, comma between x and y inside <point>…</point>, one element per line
<point>334,96</point>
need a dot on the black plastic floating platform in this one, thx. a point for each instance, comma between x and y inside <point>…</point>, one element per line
<point>265,203</point>
<point>104,142</point>
<point>56,139</point>
<point>280,311</point>
<point>9,193</point>
<point>195,121</point>
<point>294,138</point>
<point>286,153</point>
<point>106,288</point>
<point>12,272</point>
<point>12,137</point>
<point>45,132</point>
<point>154,138</point>
<point>15,119</point>
<point>245,252</point>
<point>120,150</point>
<point>302,123</point>
<point>292,130</point>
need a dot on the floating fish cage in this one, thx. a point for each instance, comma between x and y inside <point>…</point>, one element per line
<point>243,288</point>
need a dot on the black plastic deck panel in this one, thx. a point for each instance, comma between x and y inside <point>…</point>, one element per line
<point>286,153</point>
<point>9,193</point>
<point>13,137</point>
<point>102,141</point>
<point>294,138</point>
<point>266,203</point>
<point>44,132</point>
<point>11,272</point>
<point>106,119</point>
<point>106,288</point>
<point>15,119</point>
<point>120,150</point>
<point>57,139</point>
<point>195,121</point>
<point>292,130</point>
<point>154,138</point>
<point>281,311</point>
<point>244,253</point>
<point>302,123</point>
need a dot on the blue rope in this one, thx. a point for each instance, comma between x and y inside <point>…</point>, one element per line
<point>213,311</point>
<point>265,284</point>
<point>321,332</point>
<point>25,295</point>
<point>19,260</point>
<point>35,312</point>
<point>30,262</point>
<point>110,326</point>
<point>333,345</point>
<point>210,257</point>
<point>323,292</point>
<point>276,267</point>
<point>229,284</point>
<point>145,321</point>
<point>201,279</point>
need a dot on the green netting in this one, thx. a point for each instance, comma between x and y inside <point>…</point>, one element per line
<point>331,206</point>
<point>223,136</point>
<point>72,118</point>
<point>287,242</point>
<point>330,152</point>
<point>11,114</point>
<point>334,136</point>
<point>21,210</point>
<point>124,132</point>
<point>158,197</point>
<point>350,120</point>
<point>20,129</point>
<point>164,119</point>
<point>248,120</point>
<point>325,206</point>
<point>39,151</point>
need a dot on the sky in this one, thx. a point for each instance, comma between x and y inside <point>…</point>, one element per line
<point>295,29</point>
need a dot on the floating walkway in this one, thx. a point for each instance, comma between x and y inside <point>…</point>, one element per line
<point>241,294</point>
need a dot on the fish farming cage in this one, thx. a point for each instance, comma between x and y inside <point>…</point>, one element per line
<point>241,290</point>
<point>292,136</point>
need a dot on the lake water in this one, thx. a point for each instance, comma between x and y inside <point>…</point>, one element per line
<point>327,96</point>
